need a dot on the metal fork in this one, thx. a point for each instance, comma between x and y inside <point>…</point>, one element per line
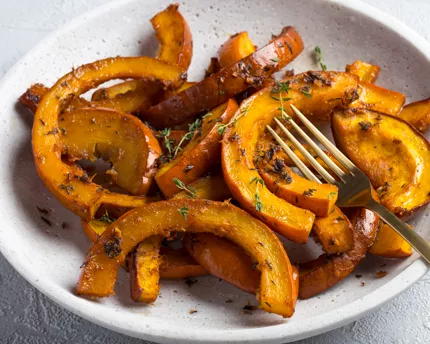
<point>354,186</point>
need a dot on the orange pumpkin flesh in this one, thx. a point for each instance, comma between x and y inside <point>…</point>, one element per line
<point>118,138</point>
<point>235,49</point>
<point>389,244</point>
<point>64,180</point>
<point>199,154</point>
<point>226,83</point>
<point>417,114</point>
<point>106,255</point>
<point>394,156</point>
<point>365,71</point>
<point>328,89</point>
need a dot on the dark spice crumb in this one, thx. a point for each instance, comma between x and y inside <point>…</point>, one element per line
<point>229,301</point>
<point>192,311</point>
<point>64,225</point>
<point>189,282</point>
<point>364,125</point>
<point>362,284</point>
<point>42,210</point>
<point>358,276</point>
<point>112,247</point>
<point>46,221</point>
<point>249,307</point>
<point>309,192</point>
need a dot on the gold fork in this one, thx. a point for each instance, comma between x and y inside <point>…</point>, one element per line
<point>354,186</point>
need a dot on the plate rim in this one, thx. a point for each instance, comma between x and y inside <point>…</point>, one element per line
<point>273,334</point>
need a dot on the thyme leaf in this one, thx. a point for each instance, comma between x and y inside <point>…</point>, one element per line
<point>181,186</point>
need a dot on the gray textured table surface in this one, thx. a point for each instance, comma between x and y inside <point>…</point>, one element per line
<point>26,316</point>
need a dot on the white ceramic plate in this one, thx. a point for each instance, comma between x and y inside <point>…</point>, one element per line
<point>49,257</point>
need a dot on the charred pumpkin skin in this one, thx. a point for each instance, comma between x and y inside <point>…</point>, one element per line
<point>62,179</point>
<point>144,270</point>
<point>174,35</point>
<point>223,259</point>
<point>200,153</point>
<point>328,89</point>
<point>378,99</point>
<point>394,156</point>
<point>235,49</point>
<point>106,255</point>
<point>365,71</point>
<point>118,138</point>
<point>226,83</point>
<point>324,272</point>
<point>389,244</point>
<point>417,114</point>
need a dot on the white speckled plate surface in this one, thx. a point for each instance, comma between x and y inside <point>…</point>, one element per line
<point>49,257</point>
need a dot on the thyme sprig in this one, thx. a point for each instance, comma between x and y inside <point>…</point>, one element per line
<point>168,143</point>
<point>319,58</point>
<point>188,189</point>
<point>223,127</point>
<point>192,128</point>
<point>184,212</point>
<point>258,204</point>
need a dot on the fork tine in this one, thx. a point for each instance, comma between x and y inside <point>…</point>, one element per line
<point>326,143</point>
<point>300,165</point>
<point>336,169</point>
<point>307,155</point>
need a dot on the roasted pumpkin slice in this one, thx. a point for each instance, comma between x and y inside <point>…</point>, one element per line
<point>226,83</point>
<point>113,91</point>
<point>192,215</point>
<point>177,264</point>
<point>417,114</point>
<point>174,35</point>
<point>235,49</point>
<point>378,99</point>
<point>331,228</point>
<point>174,263</point>
<point>199,155</point>
<point>284,183</point>
<point>328,89</point>
<point>64,180</point>
<point>394,156</point>
<point>321,274</point>
<point>333,232</point>
<point>212,187</point>
<point>223,259</point>
<point>389,244</point>
<point>118,138</point>
<point>365,71</point>
<point>144,269</point>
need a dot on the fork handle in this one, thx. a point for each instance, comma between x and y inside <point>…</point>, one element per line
<point>413,238</point>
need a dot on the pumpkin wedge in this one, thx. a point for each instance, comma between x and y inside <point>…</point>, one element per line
<point>365,71</point>
<point>394,156</point>
<point>331,228</point>
<point>199,154</point>
<point>417,114</point>
<point>284,183</point>
<point>192,215</point>
<point>328,89</point>
<point>377,98</point>
<point>235,49</point>
<point>144,270</point>
<point>389,244</point>
<point>226,83</point>
<point>174,36</point>
<point>212,187</point>
<point>174,263</point>
<point>324,272</point>
<point>177,264</point>
<point>223,259</point>
<point>65,180</point>
<point>118,138</point>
